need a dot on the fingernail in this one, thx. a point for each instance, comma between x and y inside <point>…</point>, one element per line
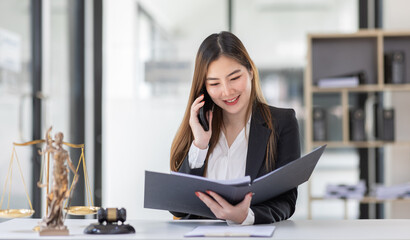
<point>209,192</point>
<point>197,194</point>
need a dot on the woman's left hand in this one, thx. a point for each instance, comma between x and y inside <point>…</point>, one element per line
<point>223,209</point>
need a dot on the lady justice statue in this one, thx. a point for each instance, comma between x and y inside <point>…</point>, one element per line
<point>53,222</point>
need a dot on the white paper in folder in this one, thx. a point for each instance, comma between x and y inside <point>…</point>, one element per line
<point>232,231</point>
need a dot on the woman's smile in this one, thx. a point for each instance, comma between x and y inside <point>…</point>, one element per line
<point>232,101</point>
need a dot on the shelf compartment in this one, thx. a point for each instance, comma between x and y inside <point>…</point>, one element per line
<point>332,120</point>
<point>340,56</point>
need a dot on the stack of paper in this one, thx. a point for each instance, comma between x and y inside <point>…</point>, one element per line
<point>352,79</point>
<point>356,191</point>
<point>392,192</point>
<point>339,82</point>
<point>232,231</point>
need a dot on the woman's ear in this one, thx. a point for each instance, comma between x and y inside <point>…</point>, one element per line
<point>251,74</point>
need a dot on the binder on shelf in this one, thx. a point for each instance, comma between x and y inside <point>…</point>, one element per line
<point>385,124</point>
<point>357,123</point>
<point>319,124</point>
<point>346,80</point>
<point>394,67</point>
<point>176,191</point>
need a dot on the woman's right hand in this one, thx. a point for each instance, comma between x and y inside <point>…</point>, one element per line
<point>201,137</point>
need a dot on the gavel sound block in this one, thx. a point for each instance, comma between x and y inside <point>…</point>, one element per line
<point>111,217</point>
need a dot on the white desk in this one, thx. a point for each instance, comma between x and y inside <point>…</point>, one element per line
<point>298,229</point>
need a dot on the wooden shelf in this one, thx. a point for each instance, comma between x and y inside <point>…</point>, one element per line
<point>364,88</point>
<point>360,34</point>
<point>335,54</point>
<point>361,88</point>
<point>396,87</point>
<point>362,200</point>
<point>364,144</point>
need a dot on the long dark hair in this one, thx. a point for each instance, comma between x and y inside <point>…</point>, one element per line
<point>214,46</point>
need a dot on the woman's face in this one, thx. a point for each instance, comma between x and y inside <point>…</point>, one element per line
<point>229,85</point>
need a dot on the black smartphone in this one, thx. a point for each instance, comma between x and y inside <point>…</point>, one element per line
<point>204,109</point>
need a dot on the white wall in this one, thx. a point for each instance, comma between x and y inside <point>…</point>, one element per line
<point>396,14</point>
<point>15,88</point>
<point>275,31</point>
<point>138,128</point>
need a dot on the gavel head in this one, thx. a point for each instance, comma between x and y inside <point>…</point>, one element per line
<point>111,215</point>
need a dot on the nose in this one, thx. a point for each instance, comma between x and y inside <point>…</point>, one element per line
<point>226,89</point>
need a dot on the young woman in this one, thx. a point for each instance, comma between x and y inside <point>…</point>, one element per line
<point>245,136</point>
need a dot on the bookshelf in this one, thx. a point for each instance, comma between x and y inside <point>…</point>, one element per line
<point>335,54</point>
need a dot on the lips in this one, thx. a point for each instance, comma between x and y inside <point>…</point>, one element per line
<point>232,101</point>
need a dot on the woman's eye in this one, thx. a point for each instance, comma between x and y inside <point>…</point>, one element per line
<point>213,84</point>
<point>236,78</point>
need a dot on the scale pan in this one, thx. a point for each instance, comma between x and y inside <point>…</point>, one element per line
<point>82,210</point>
<point>16,213</point>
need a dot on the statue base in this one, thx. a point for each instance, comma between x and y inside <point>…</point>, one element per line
<point>53,231</point>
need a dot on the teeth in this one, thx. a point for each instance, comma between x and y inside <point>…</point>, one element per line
<point>233,100</point>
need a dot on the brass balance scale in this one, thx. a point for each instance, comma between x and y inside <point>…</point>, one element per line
<point>45,168</point>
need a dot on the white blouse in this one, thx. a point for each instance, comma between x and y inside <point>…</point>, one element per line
<point>225,162</point>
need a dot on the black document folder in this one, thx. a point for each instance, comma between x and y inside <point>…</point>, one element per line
<point>176,191</point>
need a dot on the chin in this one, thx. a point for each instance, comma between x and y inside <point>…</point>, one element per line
<point>232,111</point>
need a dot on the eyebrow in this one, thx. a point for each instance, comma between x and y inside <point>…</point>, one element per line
<point>232,73</point>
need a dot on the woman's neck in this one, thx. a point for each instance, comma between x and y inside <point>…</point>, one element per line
<point>234,121</point>
<point>232,126</point>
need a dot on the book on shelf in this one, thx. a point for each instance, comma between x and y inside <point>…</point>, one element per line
<point>176,191</point>
<point>345,80</point>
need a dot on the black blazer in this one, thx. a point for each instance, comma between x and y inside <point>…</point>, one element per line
<point>287,149</point>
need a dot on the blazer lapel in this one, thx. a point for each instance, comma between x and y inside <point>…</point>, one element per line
<point>258,139</point>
